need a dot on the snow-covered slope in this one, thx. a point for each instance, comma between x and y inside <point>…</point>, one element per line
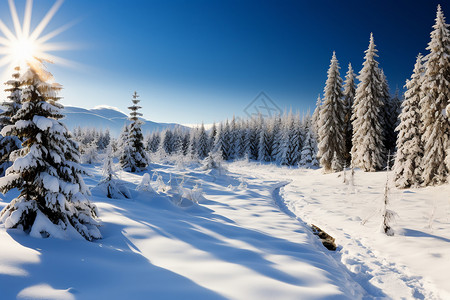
<point>412,264</point>
<point>234,244</point>
<point>248,237</point>
<point>103,117</point>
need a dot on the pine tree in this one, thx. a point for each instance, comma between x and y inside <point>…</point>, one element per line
<point>232,138</point>
<point>436,95</point>
<point>390,113</point>
<point>203,144</point>
<point>167,141</point>
<point>53,196</point>
<point>308,154</point>
<point>193,143</point>
<point>134,158</point>
<point>349,96</point>
<point>186,140</point>
<point>109,180</point>
<point>8,144</point>
<point>226,142</point>
<point>368,151</point>
<point>407,166</point>
<point>122,140</point>
<point>265,143</point>
<point>332,126</point>
<point>212,136</point>
<point>316,117</point>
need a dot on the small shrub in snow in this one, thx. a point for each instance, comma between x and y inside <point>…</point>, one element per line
<point>110,183</point>
<point>145,184</point>
<point>195,194</point>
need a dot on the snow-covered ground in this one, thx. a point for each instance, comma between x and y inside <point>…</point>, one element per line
<point>411,264</point>
<point>247,238</point>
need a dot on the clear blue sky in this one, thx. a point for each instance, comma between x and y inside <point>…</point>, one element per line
<point>194,61</point>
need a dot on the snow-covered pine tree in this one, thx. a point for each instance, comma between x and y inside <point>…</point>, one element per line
<point>332,126</point>
<point>316,117</point>
<point>167,141</point>
<point>53,197</point>
<point>436,95</point>
<point>276,133</point>
<point>203,143</point>
<point>109,180</point>
<point>309,149</point>
<point>368,151</point>
<point>232,138</point>
<point>186,140</point>
<point>226,142</point>
<point>390,113</point>
<point>193,143</point>
<point>121,140</point>
<point>10,143</point>
<point>254,135</point>
<point>212,136</point>
<point>134,158</point>
<point>407,166</point>
<point>349,96</point>
<point>178,140</point>
<point>265,143</point>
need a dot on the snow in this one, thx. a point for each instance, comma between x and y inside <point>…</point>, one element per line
<point>410,264</point>
<point>250,241</point>
<point>105,117</point>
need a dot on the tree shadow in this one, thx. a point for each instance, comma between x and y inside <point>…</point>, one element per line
<point>417,233</point>
<point>111,268</point>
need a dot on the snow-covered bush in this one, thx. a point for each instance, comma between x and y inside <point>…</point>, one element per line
<point>214,162</point>
<point>145,184</point>
<point>110,184</point>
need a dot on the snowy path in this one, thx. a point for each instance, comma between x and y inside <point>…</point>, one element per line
<point>400,267</point>
<point>236,244</point>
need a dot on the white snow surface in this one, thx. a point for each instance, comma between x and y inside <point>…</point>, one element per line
<point>248,237</point>
<point>412,264</point>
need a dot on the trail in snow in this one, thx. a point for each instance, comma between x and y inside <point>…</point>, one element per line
<point>406,266</point>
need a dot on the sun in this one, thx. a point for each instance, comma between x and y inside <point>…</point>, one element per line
<point>22,46</point>
<point>23,50</point>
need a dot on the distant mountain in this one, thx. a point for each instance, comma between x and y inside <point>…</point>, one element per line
<point>102,117</point>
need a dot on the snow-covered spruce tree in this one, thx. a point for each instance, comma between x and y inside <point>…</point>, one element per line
<point>289,152</point>
<point>110,180</point>
<point>389,119</point>
<point>349,96</point>
<point>186,143</point>
<point>10,143</point>
<point>53,197</point>
<point>212,136</point>
<point>226,141</point>
<point>167,141</point>
<point>309,149</point>
<point>316,116</point>
<point>254,135</point>
<point>122,140</point>
<point>368,151</point>
<point>436,95</point>
<point>178,140</point>
<point>203,143</point>
<point>265,143</point>
<point>134,158</point>
<point>407,166</point>
<point>232,138</point>
<point>193,143</point>
<point>332,126</point>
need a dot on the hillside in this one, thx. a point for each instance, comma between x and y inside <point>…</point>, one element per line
<point>102,117</point>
